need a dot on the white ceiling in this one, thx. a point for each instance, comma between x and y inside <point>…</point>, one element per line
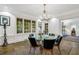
<point>36,10</point>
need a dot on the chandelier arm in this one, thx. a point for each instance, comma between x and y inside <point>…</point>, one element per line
<point>45,16</point>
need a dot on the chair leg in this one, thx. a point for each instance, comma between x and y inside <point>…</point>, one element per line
<point>59,49</point>
<point>30,50</point>
<point>34,50</point>
<point>41,50</point>
<point>51,51</point>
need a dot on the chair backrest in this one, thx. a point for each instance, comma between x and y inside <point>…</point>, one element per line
<point>58,37</point>
<point>32,42</point>
<point>53,34</point>
<point>50,34</point>
<point>31,35</point>
<point>48,44</point>
<point>59,40</point>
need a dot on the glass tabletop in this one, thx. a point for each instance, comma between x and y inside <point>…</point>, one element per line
<point>42,37</point>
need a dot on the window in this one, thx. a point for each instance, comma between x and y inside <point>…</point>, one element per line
<point>19,25</point>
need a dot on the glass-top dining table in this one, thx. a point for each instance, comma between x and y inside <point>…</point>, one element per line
<point>41,38</point>
<point>47,37</point>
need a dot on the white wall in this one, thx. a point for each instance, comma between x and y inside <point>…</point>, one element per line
<point>54,26</point>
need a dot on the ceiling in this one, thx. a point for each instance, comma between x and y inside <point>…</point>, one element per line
<point>36,10</point>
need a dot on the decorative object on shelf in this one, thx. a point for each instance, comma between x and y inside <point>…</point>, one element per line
<point>4,21</point>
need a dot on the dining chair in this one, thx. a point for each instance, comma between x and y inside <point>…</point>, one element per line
<point>48,45</point>
<point>58,41</point>
<point>33,44</point>
<point>51,34</point>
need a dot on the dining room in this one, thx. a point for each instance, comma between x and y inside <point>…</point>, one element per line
<point>39,29</point>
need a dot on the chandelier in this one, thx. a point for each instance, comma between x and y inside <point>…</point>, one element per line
<point>44,15</point>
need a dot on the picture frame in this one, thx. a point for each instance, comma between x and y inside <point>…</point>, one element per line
<point>4,18</point>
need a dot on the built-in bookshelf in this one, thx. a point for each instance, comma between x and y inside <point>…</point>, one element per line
<point>46,27</point>
<point>19,25</point>
<point>27,26</point>
<point>33,26</point>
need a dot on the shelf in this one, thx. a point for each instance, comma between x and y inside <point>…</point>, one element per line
<point>19,25</point>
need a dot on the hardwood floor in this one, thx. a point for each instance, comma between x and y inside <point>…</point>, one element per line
<point>22,48</point>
